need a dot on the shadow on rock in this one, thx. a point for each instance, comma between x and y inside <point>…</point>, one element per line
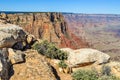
<point>55,73</point>
<point>11,72</point>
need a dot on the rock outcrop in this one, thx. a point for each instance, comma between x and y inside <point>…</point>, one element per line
<point>5,65</point>
<point>35,68</point>
<point>10,34</point>
<point>85,56</point>
<point>16,56</point>
<point>47,26</point>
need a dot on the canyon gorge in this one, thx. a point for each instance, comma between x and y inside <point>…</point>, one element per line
<point>101,31</point>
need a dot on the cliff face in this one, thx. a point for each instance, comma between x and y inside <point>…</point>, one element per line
<point>47,26</point>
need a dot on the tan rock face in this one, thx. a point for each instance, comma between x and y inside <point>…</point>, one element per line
<point>47,26</point>
<point>35,68</point>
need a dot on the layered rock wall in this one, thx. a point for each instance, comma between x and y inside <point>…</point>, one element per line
<point>46,26</point>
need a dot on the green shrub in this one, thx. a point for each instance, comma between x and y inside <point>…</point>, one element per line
<point>92,75</point>
<point>49,50</point>
<point>106,70</point>
<point>85,75</point>
<point>62,64</point>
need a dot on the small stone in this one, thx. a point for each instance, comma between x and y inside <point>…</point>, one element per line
<point>60,69</point>
<point>30,38</point>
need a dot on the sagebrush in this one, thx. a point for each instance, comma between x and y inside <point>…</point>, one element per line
<point>85,75</point>
<point>62,64</point>
<point>92,75</point>
<point>50,50</point>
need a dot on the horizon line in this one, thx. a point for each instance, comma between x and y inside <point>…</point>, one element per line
<point>58,12</point>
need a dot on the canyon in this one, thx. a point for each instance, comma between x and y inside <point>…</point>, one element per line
<point>101,31</point>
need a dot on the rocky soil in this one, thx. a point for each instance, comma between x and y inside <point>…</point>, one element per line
<point>34,68</point>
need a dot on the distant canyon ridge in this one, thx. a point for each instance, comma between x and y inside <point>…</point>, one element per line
<point>101,31</point>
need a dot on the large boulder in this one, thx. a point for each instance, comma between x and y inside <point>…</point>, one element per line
<point>10,34</point>
<point>86,56</point>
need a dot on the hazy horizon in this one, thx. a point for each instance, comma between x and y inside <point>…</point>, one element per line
<point>58,12</point>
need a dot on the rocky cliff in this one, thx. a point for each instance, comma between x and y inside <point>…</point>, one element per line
<point>47,26</point>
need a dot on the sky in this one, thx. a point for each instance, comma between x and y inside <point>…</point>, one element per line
<point>73,6</point>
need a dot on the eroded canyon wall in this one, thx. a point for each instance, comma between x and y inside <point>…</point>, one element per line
<point>46,26</point>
